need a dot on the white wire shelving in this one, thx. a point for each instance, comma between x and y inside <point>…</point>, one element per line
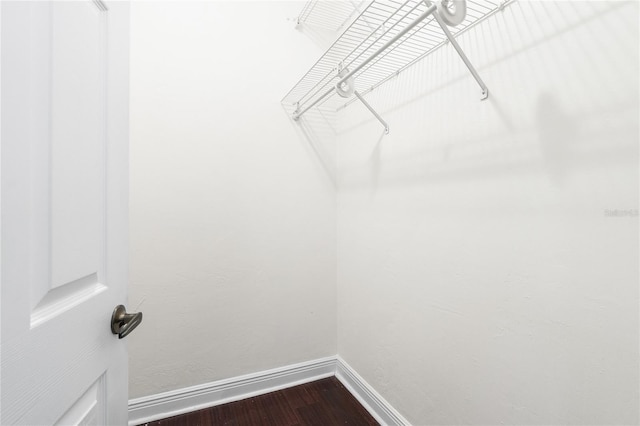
<point>330,15</point>
<point>386,38</point>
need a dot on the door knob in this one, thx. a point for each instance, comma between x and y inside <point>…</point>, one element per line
<point>123,323</point>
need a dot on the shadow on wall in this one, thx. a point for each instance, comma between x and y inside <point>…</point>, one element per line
<point>563,96</point>
<point>316,128</point>
<point>323,21</point>
<point>321,37</point>
<point>557,129</point>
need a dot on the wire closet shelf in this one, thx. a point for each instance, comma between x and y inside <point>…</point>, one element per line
<point>330,15</point>
<point>388,37</point>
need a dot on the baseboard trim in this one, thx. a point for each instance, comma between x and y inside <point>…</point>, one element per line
<point>375,404</point>
<point>181,401</point>
<point>173,403</point>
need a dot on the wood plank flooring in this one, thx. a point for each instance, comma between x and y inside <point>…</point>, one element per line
<point>324,402</point>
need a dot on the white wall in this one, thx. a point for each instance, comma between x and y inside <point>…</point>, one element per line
<point>232,217</point>
<point>480,280</point>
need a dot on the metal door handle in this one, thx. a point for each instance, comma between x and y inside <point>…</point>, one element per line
<point>123,323</point>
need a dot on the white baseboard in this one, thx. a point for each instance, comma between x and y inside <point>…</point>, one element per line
<point>180,401</point>
<point>173,403</point>
<point>375,404</point>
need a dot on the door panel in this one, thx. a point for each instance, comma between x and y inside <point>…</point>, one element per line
<point>64,211</point>
<point>77,141</point>
<point>88,409</point>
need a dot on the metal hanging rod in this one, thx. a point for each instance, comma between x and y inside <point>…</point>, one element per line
<point>347,78</point>
<point>386,38</point>
<point>384,47</point>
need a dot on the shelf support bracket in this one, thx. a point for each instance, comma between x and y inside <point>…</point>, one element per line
<point>432,9</point>
<point>454,43</point>
<point>373,111</point>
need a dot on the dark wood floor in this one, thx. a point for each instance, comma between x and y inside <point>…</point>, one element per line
<point>325,402</point>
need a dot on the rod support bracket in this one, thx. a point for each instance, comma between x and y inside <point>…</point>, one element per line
<point>451,39</point>
<point>373,111</point>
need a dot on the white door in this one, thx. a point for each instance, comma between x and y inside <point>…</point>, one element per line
<point>64,179</point>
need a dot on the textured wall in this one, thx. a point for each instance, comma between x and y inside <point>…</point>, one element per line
<point>483,277</point>
<point>232,217</point>
<point>483,274</point>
